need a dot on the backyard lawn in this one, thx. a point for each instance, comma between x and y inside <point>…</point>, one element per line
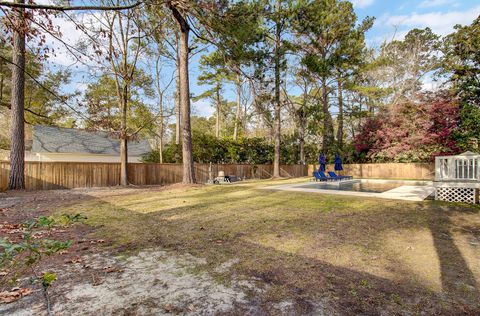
<point>243,248</point>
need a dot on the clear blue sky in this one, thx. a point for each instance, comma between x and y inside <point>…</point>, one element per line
<point>397,17</point>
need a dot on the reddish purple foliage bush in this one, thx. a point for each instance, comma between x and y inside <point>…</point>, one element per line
<point>412,131</point>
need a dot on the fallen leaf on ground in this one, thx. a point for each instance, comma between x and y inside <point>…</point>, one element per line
<point>13,295</point>
<point>99,241</point>
<point>74,260</point>
<point>96,280</point>
<point>10,228</point>
<point>170,308</point>
<point>38,235</point>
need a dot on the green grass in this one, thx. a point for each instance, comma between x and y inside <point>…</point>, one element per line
<point>393,255</point>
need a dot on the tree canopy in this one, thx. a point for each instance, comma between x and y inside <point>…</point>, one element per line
<point>294,78</point>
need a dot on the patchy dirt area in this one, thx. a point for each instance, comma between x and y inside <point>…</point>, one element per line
<point>40,202</point>
<point>239,249</point>
<point>147,283</point>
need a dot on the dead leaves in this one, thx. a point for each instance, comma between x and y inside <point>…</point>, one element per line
<point>91,242</point>
<point>173,309</point>
<point>74,260</point>
<point>10,228</point>
<point>217,241</point>
<point>99,278</point>
<point>14,295</point>
<point>110,269</point>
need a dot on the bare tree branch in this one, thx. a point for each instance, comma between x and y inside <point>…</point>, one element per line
<point>59,98</point>
<point>68,8</point>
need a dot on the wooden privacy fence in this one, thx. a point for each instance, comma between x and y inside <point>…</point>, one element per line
<point>58,175</point>
<point>417,171</point>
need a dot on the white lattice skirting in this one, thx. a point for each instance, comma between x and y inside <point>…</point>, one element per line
<point>452,194</point>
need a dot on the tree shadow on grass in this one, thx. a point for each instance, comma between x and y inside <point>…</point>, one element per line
<point>455,273</point>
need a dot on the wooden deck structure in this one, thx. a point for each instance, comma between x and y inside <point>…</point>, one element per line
<point>457,178</point>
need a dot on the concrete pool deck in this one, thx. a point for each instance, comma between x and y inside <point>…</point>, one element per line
<point>407,190</point>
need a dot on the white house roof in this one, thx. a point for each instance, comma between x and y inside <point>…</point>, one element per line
<point>53,139</point>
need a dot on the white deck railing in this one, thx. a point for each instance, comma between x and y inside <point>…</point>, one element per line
<point>460,168</point>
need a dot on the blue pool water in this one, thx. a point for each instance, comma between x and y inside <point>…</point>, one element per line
<point>359,186</point>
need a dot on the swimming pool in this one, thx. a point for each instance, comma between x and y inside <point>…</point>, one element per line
<point>377,188</point>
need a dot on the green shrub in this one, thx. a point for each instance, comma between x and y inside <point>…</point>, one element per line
<point>207,148</point>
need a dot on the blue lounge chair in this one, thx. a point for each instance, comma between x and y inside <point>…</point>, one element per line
<point>317,176</point>
<point>333,175</point>
<point>329,178</point>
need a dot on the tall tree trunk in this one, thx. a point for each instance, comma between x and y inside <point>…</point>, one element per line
<point>1,81</point>
<point>217,113</point>
<point>371,109</point>
<point>245,117</point>
<point>239,106</point>
<point>160,108</point>
<point>277,105</point>
<point>302,142</point>
<point>177,100</point>
<point>370,106</point>
<point>17,151</point>
<point>124,139</point>
<point>340,116</point>
<point>160,137</point>
<point>327,120</point>
<point>188,167</point>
